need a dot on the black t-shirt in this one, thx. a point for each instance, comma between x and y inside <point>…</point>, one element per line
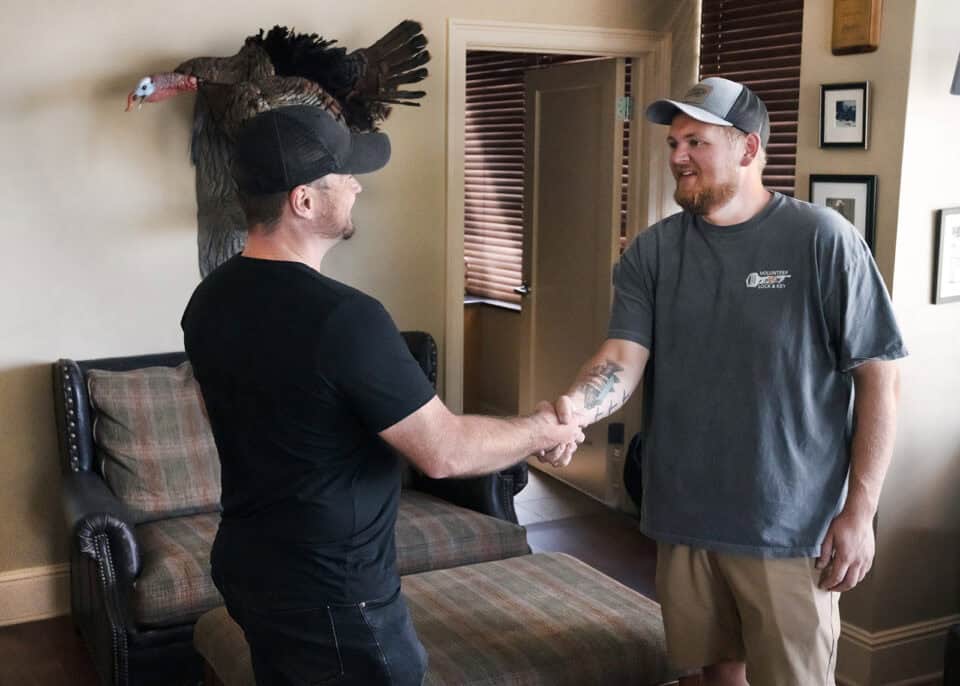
<point>299,373</point>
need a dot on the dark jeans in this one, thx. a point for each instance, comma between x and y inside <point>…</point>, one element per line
<point>295,642</point>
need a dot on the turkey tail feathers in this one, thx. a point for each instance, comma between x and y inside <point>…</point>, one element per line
<point>394,60</point>
<point>405,103</point>
<point>406,77</point>
<point>398,36</point>
<point>414,62</point>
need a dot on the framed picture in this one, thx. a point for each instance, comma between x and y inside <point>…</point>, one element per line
<point>946,285</point>
<point>853,196</point>
<point>844,115</point>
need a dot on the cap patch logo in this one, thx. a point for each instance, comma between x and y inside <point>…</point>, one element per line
<point>697,94</point>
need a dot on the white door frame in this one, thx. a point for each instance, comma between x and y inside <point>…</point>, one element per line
<point>648,193</point>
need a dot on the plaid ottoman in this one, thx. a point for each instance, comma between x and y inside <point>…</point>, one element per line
<point>536,619</point>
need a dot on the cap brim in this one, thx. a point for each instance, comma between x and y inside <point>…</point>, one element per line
<point>663,112</point>
<point>368,153</point>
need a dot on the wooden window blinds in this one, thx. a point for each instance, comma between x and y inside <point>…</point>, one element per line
<point>757,42</point>
<point>494,169</point>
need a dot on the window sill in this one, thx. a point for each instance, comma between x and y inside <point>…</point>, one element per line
<point>477,300</point>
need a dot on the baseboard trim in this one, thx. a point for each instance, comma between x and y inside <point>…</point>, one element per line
<point>908,655</point>
<point>900,634</point>
<point>935,679</point>
<point>34,593</point>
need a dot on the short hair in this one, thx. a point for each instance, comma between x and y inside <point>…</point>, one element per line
<point>262,209</point>
<point>267,209</point>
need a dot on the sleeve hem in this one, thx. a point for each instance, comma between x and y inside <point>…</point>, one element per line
<point>415,407</point>
<point>643,339</point>
<point>895,354</point>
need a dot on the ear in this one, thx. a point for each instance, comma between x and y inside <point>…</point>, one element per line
<point>302,203</point>
<point>751,149</point>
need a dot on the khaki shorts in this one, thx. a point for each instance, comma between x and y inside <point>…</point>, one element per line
<point>769,613</point>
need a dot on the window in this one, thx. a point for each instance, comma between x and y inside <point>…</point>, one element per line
<point>494,169</point>
<point>757,42</point>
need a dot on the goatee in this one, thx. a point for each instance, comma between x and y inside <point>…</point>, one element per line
<point>343,232</point>
<point>702,202</point>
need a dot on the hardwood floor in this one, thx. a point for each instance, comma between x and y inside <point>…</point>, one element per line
<point>576,524</point>
<point>610,542</point>
<point>558,519</point>
<point>46,653</point>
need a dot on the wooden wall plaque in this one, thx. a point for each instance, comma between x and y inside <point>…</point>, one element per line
<point>856,26</point>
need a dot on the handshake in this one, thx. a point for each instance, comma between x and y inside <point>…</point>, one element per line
<point>560,431</point>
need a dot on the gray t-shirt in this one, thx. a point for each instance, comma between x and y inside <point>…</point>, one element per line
<point>753,330</point>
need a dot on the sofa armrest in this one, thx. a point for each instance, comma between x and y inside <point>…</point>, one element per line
<point>93,513</point>
<point>491,494</point>
<point>518,475</point>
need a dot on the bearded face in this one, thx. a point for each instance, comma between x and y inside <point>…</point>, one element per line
<point>705,161</point>
<point>702,197</point>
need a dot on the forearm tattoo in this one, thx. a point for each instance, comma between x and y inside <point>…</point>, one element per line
<point>599,384</point>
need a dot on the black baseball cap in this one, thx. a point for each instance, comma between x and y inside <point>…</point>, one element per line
<point>717,101</point>
<point>283,148</point>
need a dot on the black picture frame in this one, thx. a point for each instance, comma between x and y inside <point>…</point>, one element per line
<point>946,274</point>
<point>845,115</point>
<point>854,196</point>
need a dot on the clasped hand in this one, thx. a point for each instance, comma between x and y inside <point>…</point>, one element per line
<point>568,434</point>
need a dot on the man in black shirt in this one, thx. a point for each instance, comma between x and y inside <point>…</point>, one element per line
<point>308,385</point>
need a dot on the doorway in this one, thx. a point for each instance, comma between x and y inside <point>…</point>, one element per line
<point>643,200</point>
<point>496,279</point>
<point>545,216</point>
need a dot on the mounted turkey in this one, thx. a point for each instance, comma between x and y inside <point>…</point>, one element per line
<point>275,70</point>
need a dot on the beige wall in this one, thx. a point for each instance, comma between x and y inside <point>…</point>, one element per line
<point>887,69</point>
<point>921,505</point>
<point>913,590</point>
<point>98,235</point>
<point>681,19</point>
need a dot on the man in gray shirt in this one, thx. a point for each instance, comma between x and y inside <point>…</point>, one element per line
<point>759,315</point>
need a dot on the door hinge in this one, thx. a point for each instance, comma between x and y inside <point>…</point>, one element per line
<point>625,108</point>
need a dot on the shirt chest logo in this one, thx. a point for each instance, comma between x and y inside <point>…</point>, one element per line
<point>774,278</point>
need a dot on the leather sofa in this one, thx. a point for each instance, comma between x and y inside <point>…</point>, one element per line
<point>118,564</point>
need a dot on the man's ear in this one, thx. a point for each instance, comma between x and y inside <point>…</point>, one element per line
<point>302,202</point>
<point>751,149</point>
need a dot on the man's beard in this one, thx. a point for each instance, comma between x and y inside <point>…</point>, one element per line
<point>343,232</point>
<point>702,201</point>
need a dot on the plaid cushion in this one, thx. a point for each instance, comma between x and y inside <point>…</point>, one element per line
<point>434,534</point>
<point>175,584</point>
<point>154,441</point>
<point>538,619</point>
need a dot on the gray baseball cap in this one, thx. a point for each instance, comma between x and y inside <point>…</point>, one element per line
<point>717,101</point>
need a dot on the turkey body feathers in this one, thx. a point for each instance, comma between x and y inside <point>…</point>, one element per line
<point>221,224</point>
<point>304,54</point>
